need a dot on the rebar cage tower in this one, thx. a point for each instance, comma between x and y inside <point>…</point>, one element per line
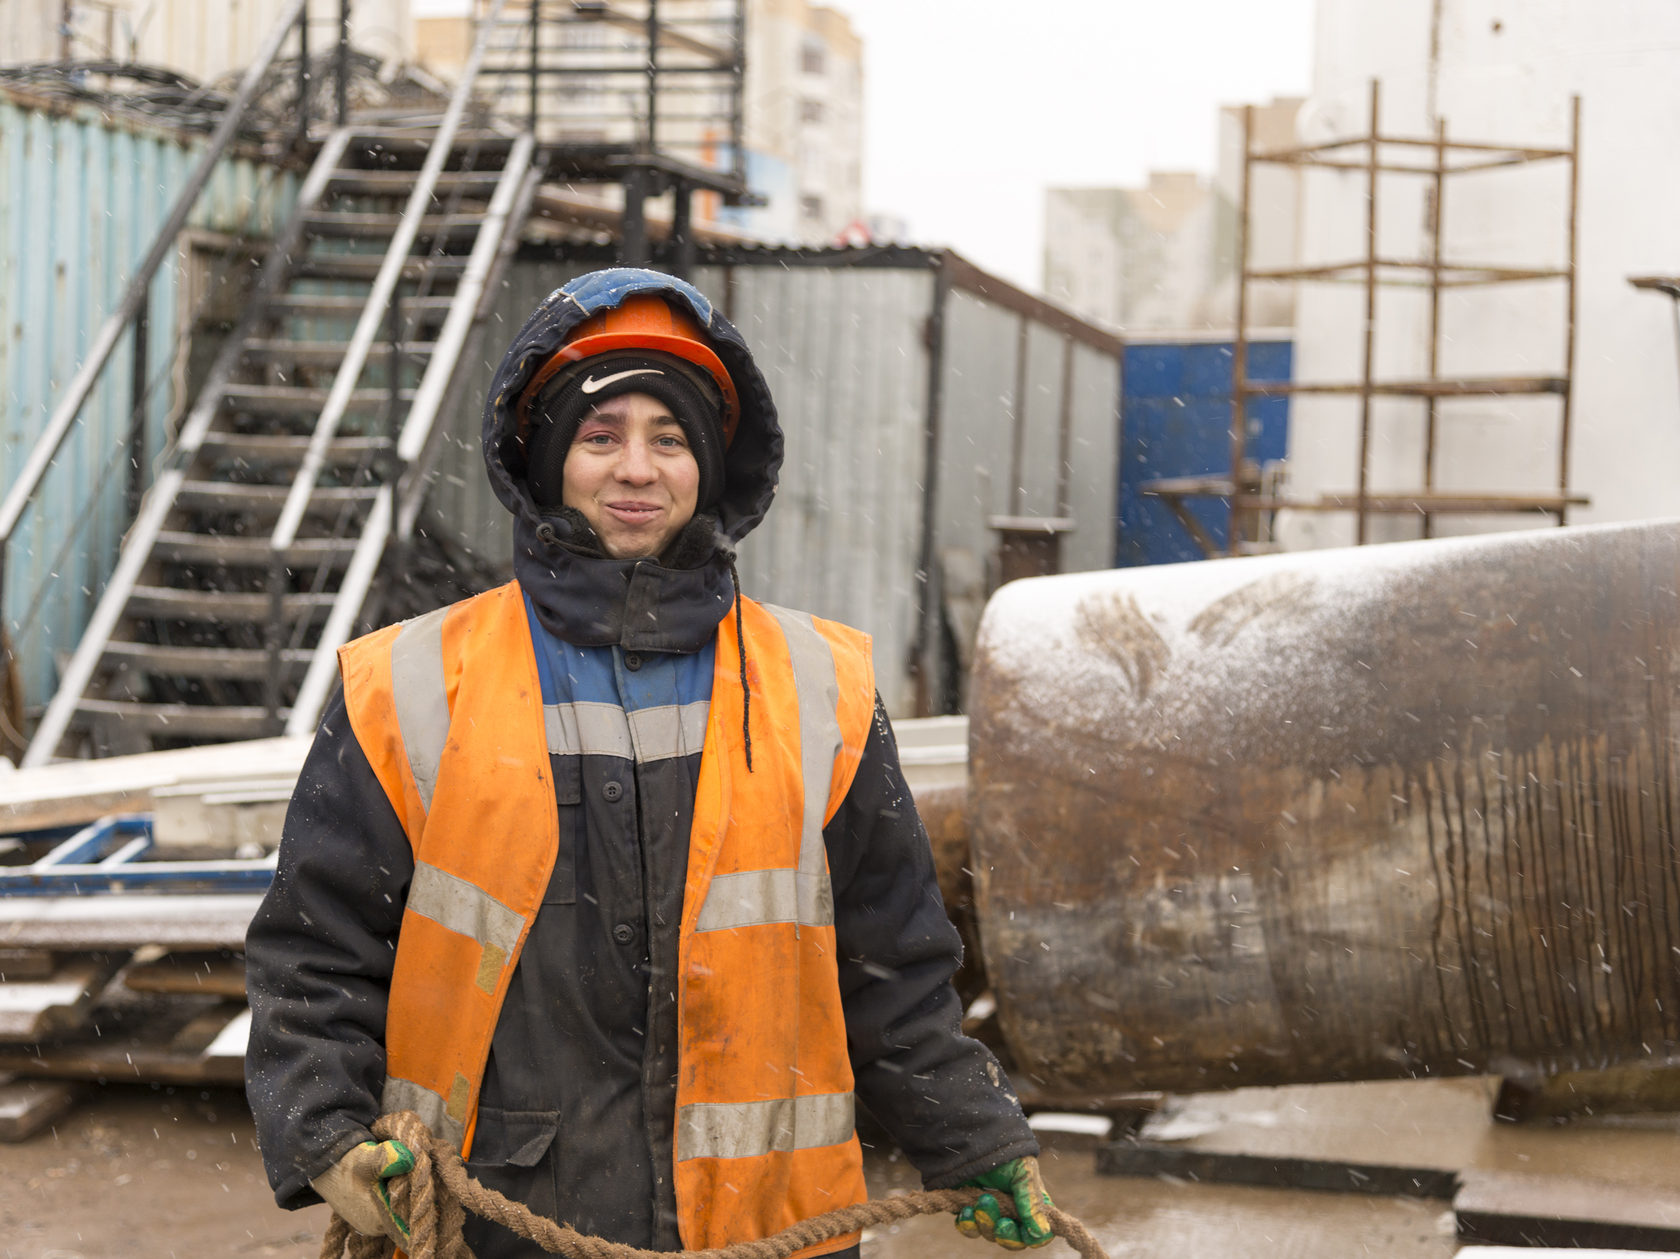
<point>1378,156</point>
<point>644,94</point>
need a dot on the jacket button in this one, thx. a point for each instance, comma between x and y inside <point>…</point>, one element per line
<point>624,933</point>
<point>632,661</point>
<point>612,791</point>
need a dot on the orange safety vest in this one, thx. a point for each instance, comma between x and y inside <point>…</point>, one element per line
<point>448,709</point>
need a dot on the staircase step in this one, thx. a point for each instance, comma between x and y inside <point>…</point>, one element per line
<point>263,502</point>
<point>400,183</point>
<point>306,400</point>
<point>231,549</point>
<point>360,225</point>
<point>311,305</point>
<point>326,353</point>
<point>213,721</point>
<point>366,267</point>
<point>288,448</point>
<point>223,606</point>
<point>373,144</point>
<point>205,662</point>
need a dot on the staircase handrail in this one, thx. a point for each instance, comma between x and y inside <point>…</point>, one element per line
<point>374,313</point>
<point>394,510</point>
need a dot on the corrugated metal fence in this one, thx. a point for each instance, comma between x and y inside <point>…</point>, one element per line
<point>81,198</point>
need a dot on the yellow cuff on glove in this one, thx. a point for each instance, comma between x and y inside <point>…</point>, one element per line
<point>355,1188</point>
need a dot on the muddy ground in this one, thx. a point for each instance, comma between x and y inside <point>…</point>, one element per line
<point>174,1174</point>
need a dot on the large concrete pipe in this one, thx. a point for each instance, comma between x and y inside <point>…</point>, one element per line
<point>1393,811</point>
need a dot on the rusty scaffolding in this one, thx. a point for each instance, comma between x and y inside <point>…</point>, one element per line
<point>1377,155</point>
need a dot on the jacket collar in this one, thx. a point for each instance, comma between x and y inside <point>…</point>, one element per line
<point>639,605</point>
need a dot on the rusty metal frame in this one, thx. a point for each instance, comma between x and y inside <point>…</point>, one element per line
<point>1447,157</point>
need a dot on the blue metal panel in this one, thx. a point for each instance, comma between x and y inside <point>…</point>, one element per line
<point>1175,422</point>
<point>81,198</point>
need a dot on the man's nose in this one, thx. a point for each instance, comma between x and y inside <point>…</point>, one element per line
<point>636,464</point>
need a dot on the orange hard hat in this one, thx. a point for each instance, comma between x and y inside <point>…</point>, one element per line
<point>643,322</point>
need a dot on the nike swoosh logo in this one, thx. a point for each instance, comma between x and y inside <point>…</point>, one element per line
<point>591,385</point>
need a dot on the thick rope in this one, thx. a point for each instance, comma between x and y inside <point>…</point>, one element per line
<point>436,1195</point>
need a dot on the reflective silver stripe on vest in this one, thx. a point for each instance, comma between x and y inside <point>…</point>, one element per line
<point>750,1129</point>
<point>642,735</point>
<point>463,908</point>
<point>669,731</point>
<point>754,897</point>
<point>806,896</point>
<point>421,698</point>
<point>586,730</point>
<point>430,1106</point>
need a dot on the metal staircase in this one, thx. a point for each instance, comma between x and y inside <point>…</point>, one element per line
<point>306,451</point>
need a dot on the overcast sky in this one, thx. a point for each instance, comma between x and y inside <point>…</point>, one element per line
<point>974,107</point>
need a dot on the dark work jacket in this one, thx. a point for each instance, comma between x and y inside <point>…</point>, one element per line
<point>578,1105</point>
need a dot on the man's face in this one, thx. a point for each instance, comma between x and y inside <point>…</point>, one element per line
<point>631,473</point>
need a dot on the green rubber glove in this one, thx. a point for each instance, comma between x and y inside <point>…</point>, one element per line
<point>355,1188</point>
<point>1021,1180</point>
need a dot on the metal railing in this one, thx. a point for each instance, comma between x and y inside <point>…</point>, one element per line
<point>133,310</point>
<point>417,427</point>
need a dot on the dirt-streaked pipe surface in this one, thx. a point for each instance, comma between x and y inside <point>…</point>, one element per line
<point>1399,810</point>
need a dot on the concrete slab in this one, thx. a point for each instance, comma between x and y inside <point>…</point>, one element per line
<point>1442,1124</point>
<point>1162,1216</point>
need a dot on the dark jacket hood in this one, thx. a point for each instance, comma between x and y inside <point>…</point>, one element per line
<point>594,600</point>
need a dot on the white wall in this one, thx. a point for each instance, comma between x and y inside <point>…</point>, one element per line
<point>1505,72</point>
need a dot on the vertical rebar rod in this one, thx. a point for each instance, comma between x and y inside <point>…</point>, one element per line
<point>1371,163</point>
<point>1569,315</point>
<point>653,76</point>
<point>1436,215</point>
<point>533,65</point>
<point>1239,348</point>
<point>738,159</point>
<point>341,67</point>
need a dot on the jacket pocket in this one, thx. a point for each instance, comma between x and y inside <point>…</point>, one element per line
<point>511,1155</point>
<point>568,800</point>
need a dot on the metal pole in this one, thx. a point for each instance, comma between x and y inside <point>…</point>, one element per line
<point>137,392</point>
<point>1362,532</point>
<point>301,135</point>
<point>535,72</point>
<point>682,231</point>
<point>924,650</point>
<point>342,57</point>
<point>653,76</point>
<point>1064,440</point>
<point>1569,335</point>
<point>1018,422</point>
<point>633,249</point>
<point>1437,219</point>
<point>737,157</point>
<point>1239,349</point>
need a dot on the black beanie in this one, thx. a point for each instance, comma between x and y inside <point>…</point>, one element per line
<point>560,406</point>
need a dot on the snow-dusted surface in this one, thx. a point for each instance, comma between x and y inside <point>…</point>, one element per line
<point>1165,652</point>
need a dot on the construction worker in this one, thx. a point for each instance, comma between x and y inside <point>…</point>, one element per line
<point>611,873</point>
